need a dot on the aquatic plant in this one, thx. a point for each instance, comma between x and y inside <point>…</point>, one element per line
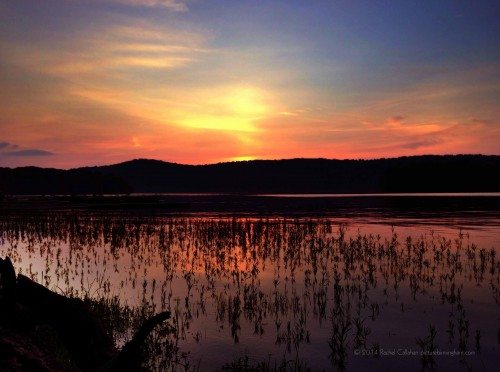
<point>295,282</point>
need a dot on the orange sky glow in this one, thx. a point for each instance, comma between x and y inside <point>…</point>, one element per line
<point>89,83</point>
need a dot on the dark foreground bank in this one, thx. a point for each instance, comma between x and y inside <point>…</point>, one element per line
<point>43,331</point>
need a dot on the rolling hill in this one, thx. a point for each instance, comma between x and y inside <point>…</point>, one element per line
<point>430,173</point>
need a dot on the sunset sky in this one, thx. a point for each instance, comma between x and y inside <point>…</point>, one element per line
<point>90,82</point>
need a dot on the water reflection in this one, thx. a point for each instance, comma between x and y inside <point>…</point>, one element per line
<point>299,293</point>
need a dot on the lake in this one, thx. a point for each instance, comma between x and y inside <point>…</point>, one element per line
<point>268,281</point>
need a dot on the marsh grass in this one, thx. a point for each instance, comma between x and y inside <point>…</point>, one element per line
<point>283,280</point>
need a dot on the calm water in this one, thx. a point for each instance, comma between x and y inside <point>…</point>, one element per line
<point>368,287</point>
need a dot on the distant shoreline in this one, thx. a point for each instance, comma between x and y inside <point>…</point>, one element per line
<point>429,174</point>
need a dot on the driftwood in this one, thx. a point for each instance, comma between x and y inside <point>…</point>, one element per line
<point>130,357</point>
<point>44,331</point>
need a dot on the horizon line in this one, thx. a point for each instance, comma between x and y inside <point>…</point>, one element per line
<point>255,160</point>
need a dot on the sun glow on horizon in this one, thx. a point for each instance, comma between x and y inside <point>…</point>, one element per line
<point>93,83</point>
<point>242,158</point>
<point>227,109</point>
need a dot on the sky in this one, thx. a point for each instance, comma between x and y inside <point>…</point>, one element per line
<point>92,82</point>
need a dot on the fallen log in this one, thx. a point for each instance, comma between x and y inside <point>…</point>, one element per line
<point>41,330</point>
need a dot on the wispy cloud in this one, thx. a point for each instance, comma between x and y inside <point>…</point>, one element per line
<point>7,146</point>
<point>424,143</point>
<point>118,44</point>
<point>28,153</point>
<point>396,119</point>
<point>483,121</point>
<point>175,5</point>
<point>10,149</point>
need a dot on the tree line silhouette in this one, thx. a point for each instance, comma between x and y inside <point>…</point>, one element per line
<point>430,173</point>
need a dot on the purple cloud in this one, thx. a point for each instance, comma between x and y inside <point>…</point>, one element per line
<point>30,152</point>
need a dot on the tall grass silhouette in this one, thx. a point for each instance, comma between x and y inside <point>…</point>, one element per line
<point>292,284</point>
